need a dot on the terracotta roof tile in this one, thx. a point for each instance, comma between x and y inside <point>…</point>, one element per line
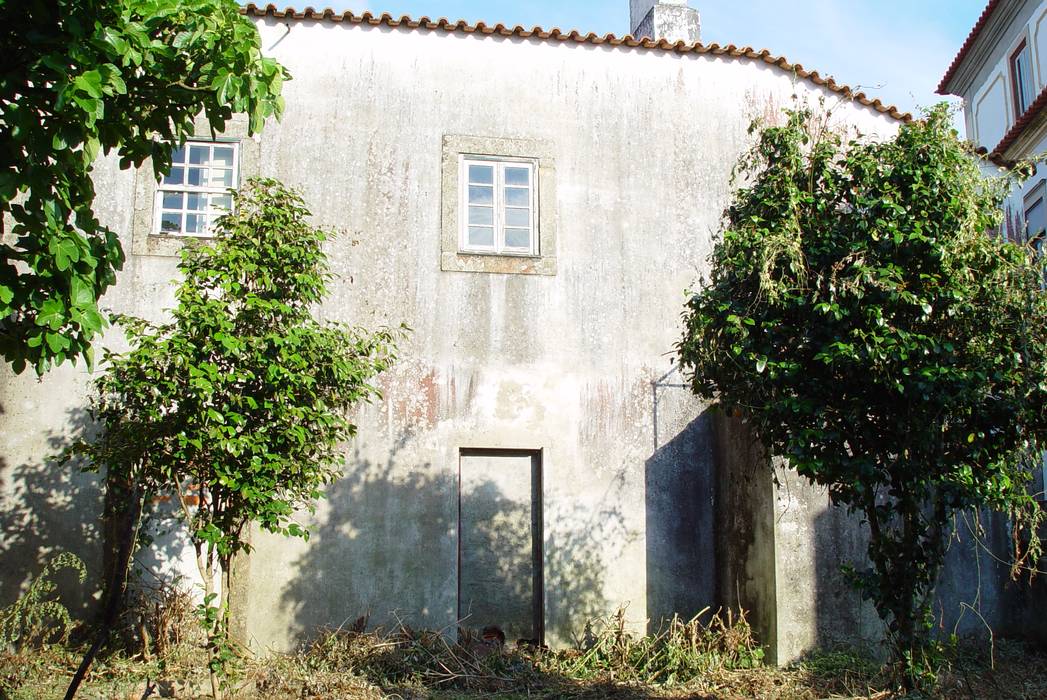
<point>556,34</point>
<point>1018,129</point>
<point>983,19</point>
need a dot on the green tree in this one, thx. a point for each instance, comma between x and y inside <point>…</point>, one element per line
<point>881,338</point>
<point>238,406</point>
<point>82,77</point>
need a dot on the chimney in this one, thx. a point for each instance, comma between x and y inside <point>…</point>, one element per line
<point>665,19</point>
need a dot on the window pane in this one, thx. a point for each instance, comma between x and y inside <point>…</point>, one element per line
<point>223,202</point>
<point>517,197</point>
<point>517,238</point>
<point>1034,219</point>
<point>1022,75</point>
<point>178,155</point>
<point>221,178</point>
<point>175,177</point>
<point>481,215</point>
<point>194,223</point>
<point>518,217</point>
<point>197,202</point>
<point>173,200</point>
<point>198,154</point>
<point>518,176</point>
<point>223,156</point>
<point>196,176</point>
<point>483,174</point>
<point>481,195</point>
<point>481,236</point>
<point>171,222</point>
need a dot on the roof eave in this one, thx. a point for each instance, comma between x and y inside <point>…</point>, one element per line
<point>1031,119</point>
<point>945,86</point>
<point>555,34</point>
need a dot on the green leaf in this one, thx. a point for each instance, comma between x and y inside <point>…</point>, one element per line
<point>56,342</point>
<point>89,83</point>
<point>52,314</point>
<point>82,292</point>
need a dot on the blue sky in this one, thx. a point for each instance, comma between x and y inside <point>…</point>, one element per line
<point>896,50</point>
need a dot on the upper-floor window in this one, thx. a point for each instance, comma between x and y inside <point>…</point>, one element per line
<point>196,190</point>
<point>498,206</point>
<point>1035,215</point>
<point>1022,79</point>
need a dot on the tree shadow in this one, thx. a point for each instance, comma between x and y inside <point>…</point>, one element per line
<point>47,507</point>
<point>387,550</point>
<point>378,551</point>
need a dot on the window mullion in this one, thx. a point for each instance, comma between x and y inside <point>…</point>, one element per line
<point>463,203</point>
<point>532,213</point>
<point>499,208</point>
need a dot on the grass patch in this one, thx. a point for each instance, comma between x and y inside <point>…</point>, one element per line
<point>712,657</point>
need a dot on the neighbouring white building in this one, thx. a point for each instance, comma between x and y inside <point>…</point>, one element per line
<point>1001,74</point>
<point>534,204</point>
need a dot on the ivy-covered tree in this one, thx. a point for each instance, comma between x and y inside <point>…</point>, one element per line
<point>81,77</point>
<point>237,408</point>
<point>881,338</point>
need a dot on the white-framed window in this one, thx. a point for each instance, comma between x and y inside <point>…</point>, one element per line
<point>1035,215</point>
<point>196,191</point>
<point>1022,78</point>
<point>498,205</point>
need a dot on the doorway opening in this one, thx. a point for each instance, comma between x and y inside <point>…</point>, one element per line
<point>500,576</point>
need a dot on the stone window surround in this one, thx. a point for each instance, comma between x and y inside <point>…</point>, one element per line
<point>144,239</point>
<point>455,260</point>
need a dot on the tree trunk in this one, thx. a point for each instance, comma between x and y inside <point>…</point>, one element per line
<point>207,571</point>
<point>122,519</point>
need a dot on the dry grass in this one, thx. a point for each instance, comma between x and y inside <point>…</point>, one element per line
<point>714,659</point>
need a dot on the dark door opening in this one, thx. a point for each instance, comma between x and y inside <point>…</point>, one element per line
<point>500,542</point>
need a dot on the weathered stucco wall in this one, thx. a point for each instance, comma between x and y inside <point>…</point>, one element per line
<point>782,546</point>
<point>643,145</point>
<point>576,365</point>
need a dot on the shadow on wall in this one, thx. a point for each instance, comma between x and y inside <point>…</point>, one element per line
<point>49,508</point>
<point>975,596</point>
<point>680,524</point>
<point>579,540</point>
<point>382,550</point>
<point>970,596</point>
<point>842,617</point>
<point>388,549</point>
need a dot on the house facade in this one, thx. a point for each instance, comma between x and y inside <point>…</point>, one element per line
<point>1001,74</point>
<point>534,205</point>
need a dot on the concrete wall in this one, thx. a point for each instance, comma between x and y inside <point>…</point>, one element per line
<point>782,546</point>
<point>575,364</point>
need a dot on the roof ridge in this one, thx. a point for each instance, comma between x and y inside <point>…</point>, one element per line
<point>983,19</point>
<point>574,35</point>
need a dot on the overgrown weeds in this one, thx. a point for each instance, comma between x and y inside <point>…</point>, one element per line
<point>38,617</point>
<point>677,654</point>
<point>611,662</point>
<point>709,657</point>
